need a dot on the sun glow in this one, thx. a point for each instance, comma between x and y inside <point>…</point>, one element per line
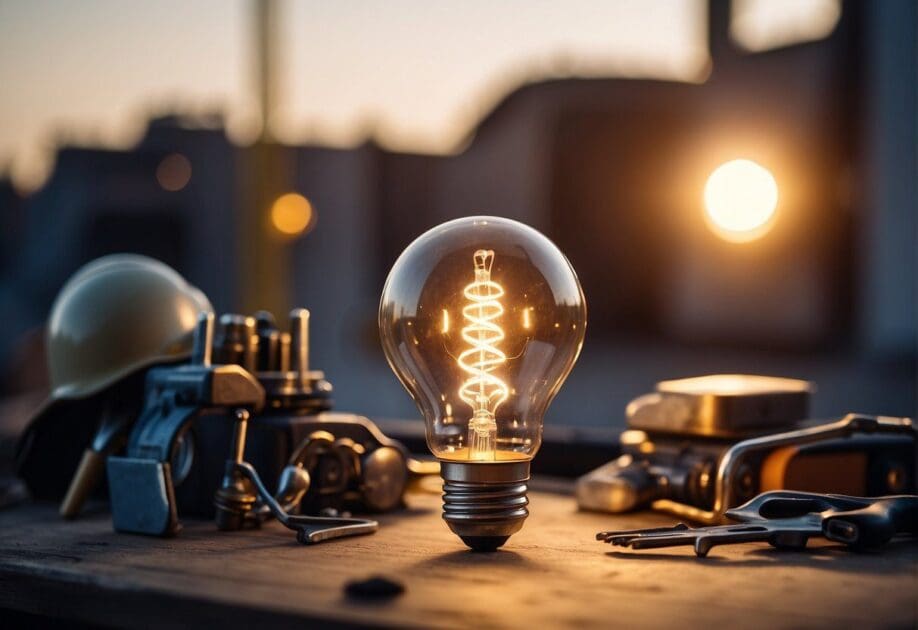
<point>740,201</point>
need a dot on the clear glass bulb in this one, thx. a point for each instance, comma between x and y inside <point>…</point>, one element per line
<point>482,319</point>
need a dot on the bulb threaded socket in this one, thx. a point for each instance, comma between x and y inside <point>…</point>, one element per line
<point>485,503</point>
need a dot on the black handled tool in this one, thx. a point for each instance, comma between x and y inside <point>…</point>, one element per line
<point>787,520</point>
<point>110,437</point>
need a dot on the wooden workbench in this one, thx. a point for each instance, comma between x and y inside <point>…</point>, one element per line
<point>551,574</point>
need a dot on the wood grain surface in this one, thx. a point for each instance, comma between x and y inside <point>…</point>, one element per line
<point>552,574</point>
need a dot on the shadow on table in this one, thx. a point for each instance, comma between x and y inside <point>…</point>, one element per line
<point>501,558</point>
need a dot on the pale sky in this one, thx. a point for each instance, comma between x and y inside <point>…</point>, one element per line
<point>417,74</point>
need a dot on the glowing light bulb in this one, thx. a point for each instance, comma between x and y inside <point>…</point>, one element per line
<point>740,200</point>
<point>483,381</point>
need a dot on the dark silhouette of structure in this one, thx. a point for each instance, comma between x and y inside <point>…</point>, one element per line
<point>612,170</point>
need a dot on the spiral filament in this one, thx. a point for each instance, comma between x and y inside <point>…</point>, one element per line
<point>482,390</point>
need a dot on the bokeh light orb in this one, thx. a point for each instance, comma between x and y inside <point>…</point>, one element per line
<point>174,172</point>
<point>740,200</point>
<point>292,214</point>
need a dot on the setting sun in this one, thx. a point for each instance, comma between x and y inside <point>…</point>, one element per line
<point>740,199</point>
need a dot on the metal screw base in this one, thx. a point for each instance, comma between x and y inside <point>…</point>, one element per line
<point>485,503</point>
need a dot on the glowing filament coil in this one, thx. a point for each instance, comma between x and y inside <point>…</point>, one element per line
<point>482,390</point>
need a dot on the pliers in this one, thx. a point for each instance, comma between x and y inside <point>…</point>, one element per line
<point>787,520</point>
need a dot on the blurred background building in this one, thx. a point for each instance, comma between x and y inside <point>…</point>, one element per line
<point>819,107</point>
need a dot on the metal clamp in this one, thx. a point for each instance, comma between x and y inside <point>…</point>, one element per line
<point>242,496</point>
<point>734,457</point>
